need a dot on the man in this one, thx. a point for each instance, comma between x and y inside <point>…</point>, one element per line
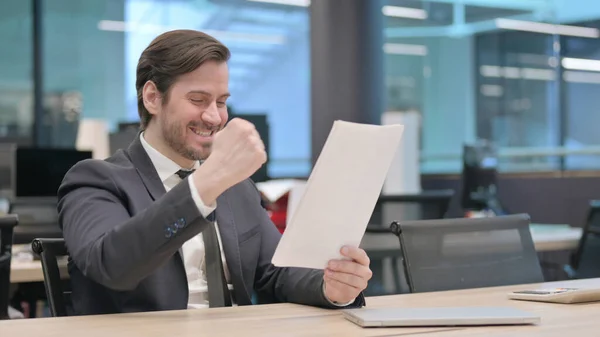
<point>151,228</point>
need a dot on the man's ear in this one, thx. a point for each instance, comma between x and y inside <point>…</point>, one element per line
<point>152,98</point>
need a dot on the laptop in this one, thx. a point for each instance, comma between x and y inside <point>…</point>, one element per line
<point>451,316</point>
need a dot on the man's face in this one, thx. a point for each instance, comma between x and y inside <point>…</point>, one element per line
<point>196,109</point>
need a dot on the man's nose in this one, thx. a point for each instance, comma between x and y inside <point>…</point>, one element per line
<point>211,115</point>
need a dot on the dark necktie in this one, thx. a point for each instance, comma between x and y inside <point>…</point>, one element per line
<point>218,292</point>
<point>183,173</point>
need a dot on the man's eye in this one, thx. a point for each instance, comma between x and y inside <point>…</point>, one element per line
<point>197,100</point>
<point>221,104</point>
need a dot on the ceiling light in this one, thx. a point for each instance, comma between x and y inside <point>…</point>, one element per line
<point>405,49</point>
<point>404,12</point>
<point>226,36</point>
<point>547,28</point>
<point>300,3</point>
<point>580,64</point>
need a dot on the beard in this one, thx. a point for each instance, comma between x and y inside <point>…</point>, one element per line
<point>174,136</point>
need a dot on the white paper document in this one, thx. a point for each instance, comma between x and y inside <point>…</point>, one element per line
<point>340,194</point>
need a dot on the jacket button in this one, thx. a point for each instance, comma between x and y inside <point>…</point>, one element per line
<point>180,223</point>
<point>168,232</point>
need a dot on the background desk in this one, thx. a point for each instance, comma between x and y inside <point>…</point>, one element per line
<point>545,238</point>
<point>31,271</point>
<point>294,320</point>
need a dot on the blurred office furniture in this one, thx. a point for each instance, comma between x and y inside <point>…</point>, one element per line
<point>404,175</point>
<point>480,179</point>
<point>124,135</point>
<point>37,175</point>
<point>585,262</point>
<point>7,153</point>
<point>7,225</point>
<point>280,197</point>
<point>92,135</point>
<point>62,112</point>
<point>262,126</point>
<point>451,254</point>
<point>427,205</point>
<point>49,250</point>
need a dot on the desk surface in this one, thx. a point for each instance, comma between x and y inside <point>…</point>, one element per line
<point>558,320</point>
<point>545,238</point>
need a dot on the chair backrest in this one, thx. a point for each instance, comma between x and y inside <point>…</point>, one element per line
<point>450,254</point>
<point>49,249</point>
<point>7,225</point>
<point>586,260</point>
<point>427,205</point>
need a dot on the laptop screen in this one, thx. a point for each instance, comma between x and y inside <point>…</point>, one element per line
<point>39,172</point>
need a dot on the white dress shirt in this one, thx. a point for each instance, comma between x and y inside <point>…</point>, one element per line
<point>193,249</point>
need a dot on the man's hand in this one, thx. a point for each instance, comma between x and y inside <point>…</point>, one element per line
<point>345,280</point>
<point>237,152</point>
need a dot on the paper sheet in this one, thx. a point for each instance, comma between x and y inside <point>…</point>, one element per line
<point>340,194</point>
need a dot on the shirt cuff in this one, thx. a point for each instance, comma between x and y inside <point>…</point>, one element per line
<point>204,209</point>
<point>335,303</point>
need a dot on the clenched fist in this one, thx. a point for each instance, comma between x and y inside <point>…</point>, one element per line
<point>238,150</point>
<point>237,153</point>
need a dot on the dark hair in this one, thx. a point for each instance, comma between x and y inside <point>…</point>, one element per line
<point>170,55</point>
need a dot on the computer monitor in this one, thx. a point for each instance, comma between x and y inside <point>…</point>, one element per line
<point>39,171</point>
<point>480,177</point>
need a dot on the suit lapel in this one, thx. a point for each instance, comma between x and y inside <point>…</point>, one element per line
<point>145,169</point>
<point>229,236</point>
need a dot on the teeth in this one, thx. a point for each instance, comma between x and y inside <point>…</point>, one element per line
<point>202,133</point>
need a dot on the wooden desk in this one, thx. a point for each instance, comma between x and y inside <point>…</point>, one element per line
<point>294,320</point>
<point>31,271</point>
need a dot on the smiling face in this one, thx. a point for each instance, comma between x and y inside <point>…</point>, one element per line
<point>186,118</point>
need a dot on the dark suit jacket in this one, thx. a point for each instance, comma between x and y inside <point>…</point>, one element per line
<point>124,234</point>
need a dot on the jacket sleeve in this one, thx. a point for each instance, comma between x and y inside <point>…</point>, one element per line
<point>106,243</point>
<point>294,285</point>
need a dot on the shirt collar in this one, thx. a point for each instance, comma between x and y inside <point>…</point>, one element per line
<point>164,166</point>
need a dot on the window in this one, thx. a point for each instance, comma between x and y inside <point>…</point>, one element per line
<point>269,67</point>
<point>502,72</point>
<point>16,65</point>
<point>92,48</point>
<point>580,88</point>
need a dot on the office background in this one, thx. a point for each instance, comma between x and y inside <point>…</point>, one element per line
<point>465,66</point>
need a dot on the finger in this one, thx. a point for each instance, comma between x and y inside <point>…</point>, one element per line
<point>350,267</point>
<point>351,280</point>
<point>256,142</point>
<point>339,291</point>
<point>356,254</point>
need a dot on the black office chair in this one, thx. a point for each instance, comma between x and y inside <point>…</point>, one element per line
<point>49,249</point>
<point>427,205</point>
<point>585,263</point>
<point>7,225</point>
<point>463,253</point>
